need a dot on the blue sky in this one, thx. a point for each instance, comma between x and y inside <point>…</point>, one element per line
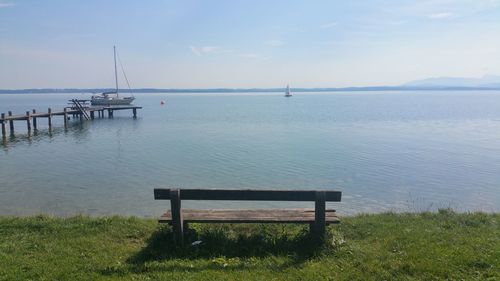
<point>245,44</point>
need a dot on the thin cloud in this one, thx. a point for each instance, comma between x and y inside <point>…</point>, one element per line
<point>4,5</point>
<point>195,50</point>
<point>445,15</point>
<point>328,25</point>
<point>250,55</point>
<point>274,43</point>
<point>253,56</point>
<point>199,51</point>
<point>209,49</point>
<point>486,4</point>
<point>399,22</point>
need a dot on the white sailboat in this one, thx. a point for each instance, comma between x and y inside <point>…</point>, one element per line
<point>112,98</point>
<point>287,92</point>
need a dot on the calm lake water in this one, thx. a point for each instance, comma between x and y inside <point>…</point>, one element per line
<point>400,151</point>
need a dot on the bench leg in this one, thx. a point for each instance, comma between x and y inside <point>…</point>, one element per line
<point>320,216</point>
<point>177,222</point>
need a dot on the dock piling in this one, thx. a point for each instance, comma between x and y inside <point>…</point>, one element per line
<point>28,121</point>
<point>134,110</point>
<point>11,124</point>
<point>4,133</point>
<point>49,117</point>
<point>65,118</point>
<point>34,120</point>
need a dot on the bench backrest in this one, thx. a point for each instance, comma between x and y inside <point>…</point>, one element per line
<point>248,194</point>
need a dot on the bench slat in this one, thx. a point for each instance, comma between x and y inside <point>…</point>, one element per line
<point>249,194</point>
<point>252,216</point>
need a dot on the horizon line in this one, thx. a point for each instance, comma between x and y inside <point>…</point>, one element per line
<point>298,89</point>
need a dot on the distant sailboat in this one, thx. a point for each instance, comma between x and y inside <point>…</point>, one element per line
<point>112,98</point>
<point>287,92</point>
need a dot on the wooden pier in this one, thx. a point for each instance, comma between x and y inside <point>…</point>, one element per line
<point>78,109</point>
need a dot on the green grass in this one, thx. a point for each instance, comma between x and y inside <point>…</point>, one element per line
<point>426,246</point>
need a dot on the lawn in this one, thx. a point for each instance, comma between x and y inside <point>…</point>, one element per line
<point>424,246</point>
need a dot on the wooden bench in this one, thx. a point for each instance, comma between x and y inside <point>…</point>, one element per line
<point>317,218</point>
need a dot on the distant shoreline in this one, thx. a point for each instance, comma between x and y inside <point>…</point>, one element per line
<point>244,90</point>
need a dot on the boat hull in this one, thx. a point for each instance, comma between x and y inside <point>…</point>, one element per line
<point>111,101</point>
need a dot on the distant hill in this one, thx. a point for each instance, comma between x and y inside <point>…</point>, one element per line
<point>487,81</point>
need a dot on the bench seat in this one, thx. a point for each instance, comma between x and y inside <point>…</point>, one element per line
<point>250,216</point>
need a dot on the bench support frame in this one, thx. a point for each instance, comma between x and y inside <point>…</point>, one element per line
<point>317,228</point>
<point>177,221</point>
<point>319,215</point>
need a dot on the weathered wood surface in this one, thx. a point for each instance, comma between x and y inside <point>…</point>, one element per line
<point>249,194</point>
<point>319,226</point>
<point>177,215</point>
<point>76,111</point>
<point>34,120</point>
<point>11,124</point>
<point>4,132</point>
<point>68,111</point>
<point>317,218</point>
<point>251,216</point>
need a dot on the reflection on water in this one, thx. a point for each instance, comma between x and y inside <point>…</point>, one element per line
<point>398,151</point>
<point>77,130</point>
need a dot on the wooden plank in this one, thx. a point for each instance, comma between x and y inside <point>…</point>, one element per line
<point>11,124</point>
<point>54,113</point>
<point>122,107</point>
<point>319,215</point>
<point>65,118</point>
<point>49,117</point>
<point>248,194</point>
<point>252,216</point>
<point>28,121</point>
<point>177,219</point>
<point>34,120</point>
<point>4,133</point>
<point>16,118</point>
<point>258,212</point>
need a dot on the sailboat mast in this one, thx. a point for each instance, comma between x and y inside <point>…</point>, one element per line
<point>116,73</point>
